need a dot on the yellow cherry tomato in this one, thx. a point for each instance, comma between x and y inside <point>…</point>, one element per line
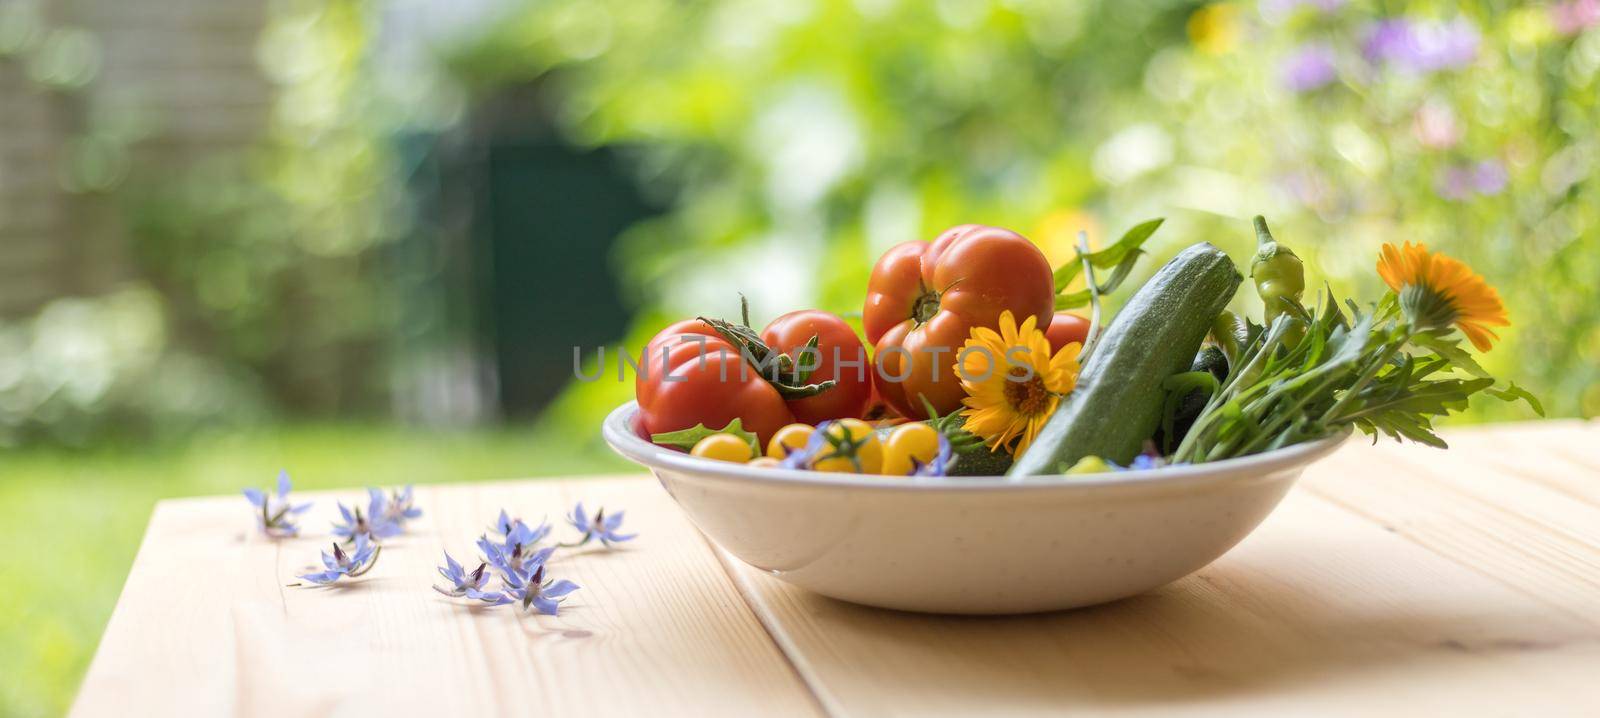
<point>858,450</point>
<point>722,447</point>
<point>790,438</point>
<point>765,462</point>
<point>908,446</point>
<point>1090,465</point>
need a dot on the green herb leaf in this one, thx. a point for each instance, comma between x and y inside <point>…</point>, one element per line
<point>1120,273</point>
<point>1512,392</point>
<point>685,439</point>
<point>1451,351</point>
<point>1109,257</point>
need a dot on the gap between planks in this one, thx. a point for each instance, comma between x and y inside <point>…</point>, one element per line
<point>735,570</point>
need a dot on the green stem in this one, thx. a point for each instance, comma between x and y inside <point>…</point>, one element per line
<point>1208,415</point>
<point>1093,336</point>
<point>1366,378</point>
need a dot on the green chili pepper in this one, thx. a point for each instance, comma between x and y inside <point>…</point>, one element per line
<point>1227,332</point>
<point>1279,275</point>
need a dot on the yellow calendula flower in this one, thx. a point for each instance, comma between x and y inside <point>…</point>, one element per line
<point>1013,384</point>
<point>1437,291</point>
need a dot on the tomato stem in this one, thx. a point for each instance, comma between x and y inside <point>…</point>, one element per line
<point>926,307</point>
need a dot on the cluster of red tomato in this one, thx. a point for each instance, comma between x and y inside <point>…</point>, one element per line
<point>923,301</point>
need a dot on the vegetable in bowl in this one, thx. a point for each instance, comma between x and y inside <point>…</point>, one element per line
<point>1173,379</point>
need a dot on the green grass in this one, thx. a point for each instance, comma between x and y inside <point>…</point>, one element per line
<point>71,521</point>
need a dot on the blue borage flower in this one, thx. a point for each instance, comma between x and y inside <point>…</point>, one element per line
<point>518,545</point>
<point>340,564</point>
<point>601,527</point>
<point>466,584</point>
<point>534,592</point>
<point>385,517</point>
<point>374,523</point>
<point>801,458</point>
<point>399,508</point>
<point>275,514</point>
<point>1144,461</point>
<point>519,565</point>
<point>940,462</point>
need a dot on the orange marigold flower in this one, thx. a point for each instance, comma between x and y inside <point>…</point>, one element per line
<point>1437,291</point>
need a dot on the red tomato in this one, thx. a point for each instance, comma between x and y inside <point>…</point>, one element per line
<point>924,299</point>
<point>837,344</point>
<point>1066,328</point>
<point>690,375</point>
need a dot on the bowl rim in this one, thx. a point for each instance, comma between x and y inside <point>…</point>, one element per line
<point>618,432</point>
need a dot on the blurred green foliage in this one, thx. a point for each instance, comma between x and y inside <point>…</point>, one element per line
<point>793,140</point>
<point>797,140</point>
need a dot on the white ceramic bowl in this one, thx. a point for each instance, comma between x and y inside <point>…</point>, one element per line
<point>973,545</point>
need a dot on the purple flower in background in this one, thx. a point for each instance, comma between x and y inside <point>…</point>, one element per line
<point>1422,46</point>
<point>341,565</point>
<point>534,592</point>
<point>1571,18</point>
<point>468,584</point>
<point>275,514</point>
<point>1489,178</point>
<point>602,526</point>
<point>1460,182</point>
<point>1309,68</point>
<point>1454,183</point>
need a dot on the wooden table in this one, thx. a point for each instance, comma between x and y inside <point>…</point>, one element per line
<point>1394,579</point>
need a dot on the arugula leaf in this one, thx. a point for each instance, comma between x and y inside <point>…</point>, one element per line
<point>1512,392</point>
<point>1306,376</point>
<point>685,439</point>
<point>1451,351</point>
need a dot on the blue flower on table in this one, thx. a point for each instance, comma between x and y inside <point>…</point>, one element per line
<point>397,509</point>
<point>514,554</point>
<point>275,513</point>
<point>601,527</point>
<point>518,546</point>
<point>534,592</point>
<point>518,530</point>
<point>374,523</point>
<point>466,584</point>
<point>342,564</point>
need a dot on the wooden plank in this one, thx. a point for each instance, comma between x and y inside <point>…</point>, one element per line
<point>1534,537</point>
<point>1564,455</point>
<point>1320,612</point>
<point>206,625</point>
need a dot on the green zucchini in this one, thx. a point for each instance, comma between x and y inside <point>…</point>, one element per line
<point>1118,400</point>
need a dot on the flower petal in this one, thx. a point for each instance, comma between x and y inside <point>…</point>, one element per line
<point>546,606</point>
<point>560,588</point>
<point>324,577</point>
